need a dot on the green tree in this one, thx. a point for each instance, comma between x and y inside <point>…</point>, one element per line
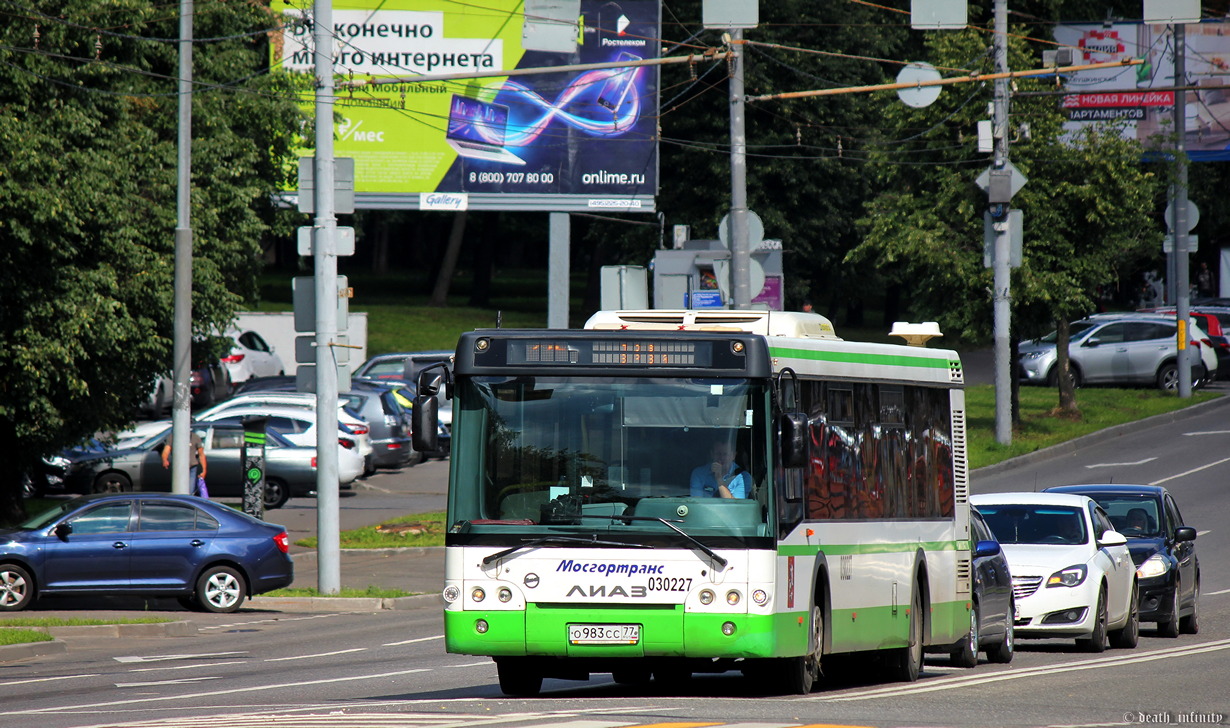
<point>1090,206</point>
<point>88,99</point>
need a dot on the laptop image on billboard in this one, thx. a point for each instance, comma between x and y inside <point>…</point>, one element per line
<point>476,130</point>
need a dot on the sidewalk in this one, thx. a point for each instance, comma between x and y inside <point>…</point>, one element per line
<point>415,570</point>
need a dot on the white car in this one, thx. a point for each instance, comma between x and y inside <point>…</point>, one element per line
<point>1072,574</point>
<point>295,424</point>
<point>251,356</point>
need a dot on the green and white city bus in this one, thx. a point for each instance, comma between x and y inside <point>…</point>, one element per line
<point>582,541</point>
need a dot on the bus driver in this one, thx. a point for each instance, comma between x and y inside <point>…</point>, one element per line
<point>720,478</point>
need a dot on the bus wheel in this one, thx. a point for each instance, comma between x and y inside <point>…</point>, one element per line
<point>800,674</point>
<point>906,662</point>
<point>517,679</point>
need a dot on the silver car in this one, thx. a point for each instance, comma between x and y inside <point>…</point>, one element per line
<point>1123,348</point>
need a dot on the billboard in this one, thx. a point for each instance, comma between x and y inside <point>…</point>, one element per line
<point>561,141</point>
<point>1141,96</point>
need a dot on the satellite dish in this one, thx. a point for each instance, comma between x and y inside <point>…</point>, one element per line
<point>918,96</point>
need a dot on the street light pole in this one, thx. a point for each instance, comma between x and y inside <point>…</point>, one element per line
<point>1002,300</point>
<point>181,336</point>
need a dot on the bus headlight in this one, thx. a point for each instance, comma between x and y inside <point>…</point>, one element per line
<point>728,628</point>
<point>761,597</point>
<point>504,594</point>
<point>478,594</point>
<point>451,593</point>
<point>733,597</point>
<point>706,596</point>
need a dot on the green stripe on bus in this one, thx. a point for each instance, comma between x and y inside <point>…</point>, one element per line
<point>846,357</point>
<point>872,548</point>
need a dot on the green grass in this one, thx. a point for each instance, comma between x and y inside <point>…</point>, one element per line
<point>12,636</point>
<point>1040,428</point>
<point>423,529</point>
<point>374,592</point>
<point>76,621</point>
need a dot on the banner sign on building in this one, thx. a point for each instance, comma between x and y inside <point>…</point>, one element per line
<point>1141,96</point>
<point>555,141</point>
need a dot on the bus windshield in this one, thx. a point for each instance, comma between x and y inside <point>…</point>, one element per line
<point>610,453</point>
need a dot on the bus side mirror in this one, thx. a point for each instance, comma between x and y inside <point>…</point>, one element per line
<point>424,423</point>
<point>792,429</point>
<point>433,379</point>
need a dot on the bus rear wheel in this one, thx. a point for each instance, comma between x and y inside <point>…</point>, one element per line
<point>517,679</point>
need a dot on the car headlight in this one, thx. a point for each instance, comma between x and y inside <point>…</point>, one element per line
<point>1031,355</point>
<point>1071,576</point>
<point>1155,565</point>
<point>58,461</point>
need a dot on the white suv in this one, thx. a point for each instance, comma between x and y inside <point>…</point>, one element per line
<point>1118,348</point>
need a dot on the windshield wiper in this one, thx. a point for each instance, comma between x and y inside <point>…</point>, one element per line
<point>721,562</point>
<point>561,540</point>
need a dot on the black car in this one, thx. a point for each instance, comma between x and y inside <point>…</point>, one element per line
<point>992,615</point>
<point>1163,548</point>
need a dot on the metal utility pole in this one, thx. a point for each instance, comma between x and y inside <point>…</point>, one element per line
<point>1181,288</point>
<point>324,252</point>
<point>1002,299</point>
<point>740,253</point>
<point>181,346</point>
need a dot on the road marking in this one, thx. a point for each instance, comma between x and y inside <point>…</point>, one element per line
<point>93,707</point>
<point>49,679</point>
<point>475,664</point>
<point>319,654</point>
<point>163,668</point>
<point>1213,594</point>
<point>1206,432</point>
<point>155,683</point>
<point>1189,472</point>
<point>963,682</point>
<point>410,642</point>
<point>163,658</point>
<point>1120,465</point>
<point>273,620</point>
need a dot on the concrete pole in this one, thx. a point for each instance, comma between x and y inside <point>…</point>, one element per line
<point>324,251</point>
<point>181,346</point>
<point>740,253</point>
<point>558,250</point>
<point>1002,300</point>
<point>1181,288</point>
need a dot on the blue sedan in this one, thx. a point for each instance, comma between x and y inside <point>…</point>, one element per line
<point>149,544</point>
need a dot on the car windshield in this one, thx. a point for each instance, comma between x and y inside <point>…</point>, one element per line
<point>1076,331</point>
<point>48,516</point>
<point>1135,516</point>
<point>1035,524</point>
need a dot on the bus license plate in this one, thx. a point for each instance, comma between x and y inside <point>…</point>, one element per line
<point>604,634</point>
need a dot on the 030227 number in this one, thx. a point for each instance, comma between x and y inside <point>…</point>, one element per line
<point>668,584</point>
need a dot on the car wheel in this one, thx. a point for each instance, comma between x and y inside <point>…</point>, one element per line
<point>1168,377</point>
<point>16,588</point>
<point>1128,636</point>
<point>113,483</point>
<point>906,663</point>
<point>1170,628</point>
<point>517,680</point>
<point>1074,374</point>
<point>1096,642</point>
<point>276,493</point>
<point>1002,653</point>
<point>220,589</point>
<point>967,654</point>
<point>1191,623</point>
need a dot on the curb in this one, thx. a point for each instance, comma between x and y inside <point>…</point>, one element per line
<point>1093,438</point>
<point>56,645</point>
<point>344,604</point>
<point>26,650</point>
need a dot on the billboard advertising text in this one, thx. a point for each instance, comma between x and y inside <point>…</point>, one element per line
<point>575,139</point>
<point>1142,96</point>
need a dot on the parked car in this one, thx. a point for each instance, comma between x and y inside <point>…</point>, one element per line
<point>1163,548</point>
<point>1120,348</point>
<point>290,469</point>
<point>297,425</point>
<point>209,556</point>
<point>251,356</point>
<point>1072,573</point>
<point>403,365</point>
<point>1214,326</point>
<point>161,397</point>
<point>389,423</point>
<point>991,621</point>
<point>209,383</point>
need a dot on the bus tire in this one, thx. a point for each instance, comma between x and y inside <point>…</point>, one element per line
<point>800,674</point>
<point>905,664</point>
<point>518,680</point>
